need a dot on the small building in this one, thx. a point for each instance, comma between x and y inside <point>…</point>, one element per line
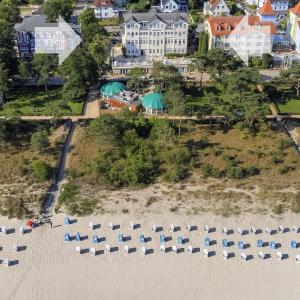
<point>116,95</point>
<point>104,9</point>
<point>168,6</point>
<point>280,6</point>
<point>153,103</point>
<point>215,8</point>
<point>293,27</point>
<point>266,13</point>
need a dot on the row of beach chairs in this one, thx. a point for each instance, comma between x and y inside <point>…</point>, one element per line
<point>189,227</point>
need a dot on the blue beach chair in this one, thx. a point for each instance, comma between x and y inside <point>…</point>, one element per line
<point>180,240</point>
<point>225,243</point>
<point>67,237</point>
<point>67,220</point>
<point>272,245</point>
<point>120,238</point>
<point>294,244</point>
<point>162,238</point>
<point>259,243</point>
<point>95,239</point>
<point>78,237</point>
<point>240,245</point>
<point>207,241</point>
<point>142,239</point>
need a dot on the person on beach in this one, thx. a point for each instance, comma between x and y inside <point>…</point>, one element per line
<point>50,224</point>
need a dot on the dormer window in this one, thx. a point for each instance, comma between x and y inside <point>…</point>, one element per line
<point>229,27</point>
<point>219,28</point>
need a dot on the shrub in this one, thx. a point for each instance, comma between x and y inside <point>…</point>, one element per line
<point>39,141</point>
<point>283,144</point>
<point>275,159</point>
<point>278,209</point>
<point>175,173</point>
<point>235,172</point>
<point>41,170</point>
<point>252,171</point>
<point>208,170</point>
<point>296,204</point>
<point>285,169</point>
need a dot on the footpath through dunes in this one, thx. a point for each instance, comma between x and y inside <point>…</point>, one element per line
<point>50,268</point>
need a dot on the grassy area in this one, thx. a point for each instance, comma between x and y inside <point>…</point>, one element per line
<point>21,193</point>
<point>291,106</point>
<point>36,102</point>
<point>110,22</point>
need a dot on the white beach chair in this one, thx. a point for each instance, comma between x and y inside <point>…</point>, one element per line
<point>268,230</point>
<point>154,228</point>
<point>205,252</point>
<point>279,255</point>
<point>297,258</point>
<point>93,251</point>
<point>4,229</point>
<point>261,255</point>
<point>78,249</point>
<point>91,225</point>
<point>225,254</point>
<point>110,226</point>
<point>21,230</point>
<point>188,227</point>
<point>240,231</point>
<point>132,225</point>
<point>126,249</point>
<point>190,249</point>
<point>172,228</point>
<point>225,231</point>
<point>174,249</point>
<point>206,228</point>
<point>244,256</point>
<point>6,262</point>
<point>162,248</point>
<point>280,228</point>
<point>107,248</point>
<point>143,250</point>
<point>253,229</point>
<point>295,228</point>
<point>16,247</point>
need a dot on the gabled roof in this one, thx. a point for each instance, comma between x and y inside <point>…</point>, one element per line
<point>296,9</point>
<point>103,3</point>
<point>179,2</point>
<point>214,3</point>
<point>225,25</point>
<point>29,23</point>
<point>267,9</point>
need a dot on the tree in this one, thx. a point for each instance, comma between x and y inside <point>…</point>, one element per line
<point>25,71</point>
<point>200,65</point>
<point>165,76</point>
<point>41,170</point>
<point>137,79</point>
<point>99,50</point>
<point>54,8</point>
<point>3,81</point>
<point>242,80</point>
<point>218,62</point>
<point>203,43</point>
<point>44,65</point>
<point>292,77</point>
<point>9,12</point>
<point>175,102</point>
<point>40,141</point>
<point>267,60</point>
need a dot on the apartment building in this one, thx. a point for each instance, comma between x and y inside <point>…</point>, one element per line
<point>155,33</point>
<point>215,8</point>
<point>173,5</point>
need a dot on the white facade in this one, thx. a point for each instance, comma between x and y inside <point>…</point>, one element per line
<point>155,35</point>
<point>105,10</point>
<point>278,5</point>
<point>173,5</point>
<point>215,8</point>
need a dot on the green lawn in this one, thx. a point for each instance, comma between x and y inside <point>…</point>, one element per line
<point>35,101</point>
<point>290,107</point>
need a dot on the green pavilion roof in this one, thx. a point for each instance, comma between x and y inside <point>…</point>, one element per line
<point>112,88</point>
<point>153,101</point>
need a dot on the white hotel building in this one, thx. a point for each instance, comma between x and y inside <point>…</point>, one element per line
<point>154,34</point>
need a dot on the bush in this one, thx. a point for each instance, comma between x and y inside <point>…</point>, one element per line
<point>296,204</point>
<point>267,60</point>
<point>278,209</point>
<point>275,159</point>
<point>208,170</point>
<point>235,172</point>
<point>39,141</point>
<point>175,173</point>
<point>285,169</point>
<point>41,170</point>
<point>283,144</point>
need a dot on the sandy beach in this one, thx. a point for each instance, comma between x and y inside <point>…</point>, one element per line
<point>49,268</point>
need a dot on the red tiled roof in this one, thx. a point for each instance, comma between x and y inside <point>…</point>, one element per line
<point>296,9</point>
<point>214,3</point>
<point>103,3</point>
<point>227,24</point>
<point>267,9</point>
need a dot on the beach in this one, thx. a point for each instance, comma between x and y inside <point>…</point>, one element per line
<point>50,268</point>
